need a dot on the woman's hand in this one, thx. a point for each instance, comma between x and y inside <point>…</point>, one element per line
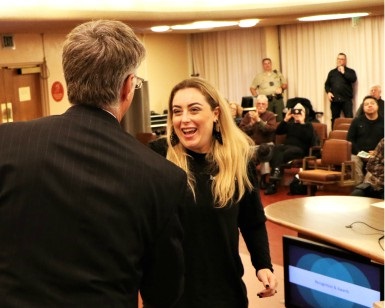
<point>269,281</point>
<point>288,115</point>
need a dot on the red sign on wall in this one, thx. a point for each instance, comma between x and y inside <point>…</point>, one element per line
<point>57,91</point>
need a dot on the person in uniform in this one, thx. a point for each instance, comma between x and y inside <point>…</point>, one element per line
<point>272,84</point>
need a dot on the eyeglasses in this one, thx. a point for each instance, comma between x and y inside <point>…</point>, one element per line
<point>139,82</point>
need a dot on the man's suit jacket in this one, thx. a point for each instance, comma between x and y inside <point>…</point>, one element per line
<point>88,215</point>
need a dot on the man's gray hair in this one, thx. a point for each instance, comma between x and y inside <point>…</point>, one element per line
<point>98,56</point>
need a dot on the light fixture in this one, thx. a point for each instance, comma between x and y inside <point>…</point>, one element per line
<point>160,28</point>
<point>332,16</point>
<point>247,23</point>
<point>207,24</point>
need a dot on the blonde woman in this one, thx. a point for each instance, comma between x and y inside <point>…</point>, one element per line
<point>218,159</point>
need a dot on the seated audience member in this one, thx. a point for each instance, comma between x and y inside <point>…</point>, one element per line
<point>364,133</point>
<point>236,112</point>
<point>300,137</point>
<point>373,184</point>
<point>260,126</point>
<point>374,91</point>
<point>311,115</point>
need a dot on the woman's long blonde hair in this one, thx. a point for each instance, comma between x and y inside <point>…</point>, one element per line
<point>230,158</point>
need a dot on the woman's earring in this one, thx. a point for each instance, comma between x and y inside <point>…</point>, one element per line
<point>173,137</point>
<point>217,132</point>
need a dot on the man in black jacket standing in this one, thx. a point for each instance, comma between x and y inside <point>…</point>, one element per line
<point>89,216</point>
<point>339,88</point>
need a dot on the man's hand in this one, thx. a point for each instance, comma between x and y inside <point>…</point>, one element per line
<point>278,90</point>
<point>254,117</point>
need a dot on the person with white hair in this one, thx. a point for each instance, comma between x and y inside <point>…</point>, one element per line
<point>260,125</point>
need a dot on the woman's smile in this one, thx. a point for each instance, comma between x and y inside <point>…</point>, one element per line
<point>193,120</point>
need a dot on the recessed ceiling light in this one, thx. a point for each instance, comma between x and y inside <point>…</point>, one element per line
<point>332,16</point>
<point>160,28</point>
<point>200,25</point>
<point>246,23</point>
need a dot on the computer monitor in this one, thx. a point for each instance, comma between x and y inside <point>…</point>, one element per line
<point>319,275</point>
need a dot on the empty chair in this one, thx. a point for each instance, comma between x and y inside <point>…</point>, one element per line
<point>322,132</point>
<point>335,166</point>
<point>344,121</point>
<point>342,126</point>
<point>338,134</point>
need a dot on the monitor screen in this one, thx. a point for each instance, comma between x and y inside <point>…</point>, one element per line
<point>319,275</point>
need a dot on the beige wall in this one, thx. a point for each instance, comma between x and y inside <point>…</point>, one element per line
<point>271,46</point>
<point>168,62</point>
<point>28,49</point>
<point>53,50</point>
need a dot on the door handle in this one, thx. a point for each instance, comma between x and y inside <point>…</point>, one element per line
<point>9,112</point>
<point>4,116</point>
<point>6,112</point>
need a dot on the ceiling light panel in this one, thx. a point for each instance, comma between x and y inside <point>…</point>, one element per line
<point>200,25</point>
<point>332,16</point>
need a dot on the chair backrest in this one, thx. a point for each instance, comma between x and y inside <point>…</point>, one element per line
<point>338,121</point>
<point>338,134</point>
<point>336,151</point>
<point>322,131</point>
<point>342,126</point>
<point>145,138</point>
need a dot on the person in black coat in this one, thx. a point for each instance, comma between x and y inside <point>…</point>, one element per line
<point>339,88</point>
<point>203,139</point>
<point>375,91</point>
<point>300,137</point>
<point>89,216</point>
<point>365,132</point>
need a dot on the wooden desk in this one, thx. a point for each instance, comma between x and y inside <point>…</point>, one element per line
<point>325,218</point>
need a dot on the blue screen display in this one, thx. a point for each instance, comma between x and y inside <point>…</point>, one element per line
<point>317,275</point>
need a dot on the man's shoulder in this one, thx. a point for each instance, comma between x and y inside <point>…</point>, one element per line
<point>156,160</point>
<point>349,69</point>
<point>258,75</point>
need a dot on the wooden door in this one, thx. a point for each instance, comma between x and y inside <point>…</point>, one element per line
<point>20,95</point>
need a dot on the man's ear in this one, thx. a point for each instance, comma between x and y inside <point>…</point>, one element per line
<point>128,86</point>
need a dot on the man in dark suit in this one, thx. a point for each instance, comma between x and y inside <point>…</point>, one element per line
<point>89,217</point>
